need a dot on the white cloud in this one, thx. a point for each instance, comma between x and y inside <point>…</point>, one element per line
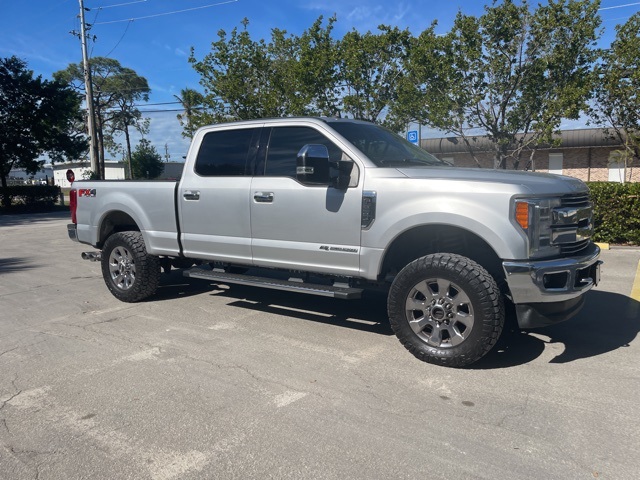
<point>364,15</point>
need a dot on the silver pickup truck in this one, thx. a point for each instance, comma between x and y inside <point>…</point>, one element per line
<point>334,207</point>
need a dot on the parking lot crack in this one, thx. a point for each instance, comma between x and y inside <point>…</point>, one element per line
<point>10,350</point>
<point>9,399</point>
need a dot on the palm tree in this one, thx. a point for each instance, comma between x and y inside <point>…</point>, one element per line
<point>190,100</point>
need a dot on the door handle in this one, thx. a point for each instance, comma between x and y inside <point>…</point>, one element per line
<point>191,195</point>
<point>263,197</point>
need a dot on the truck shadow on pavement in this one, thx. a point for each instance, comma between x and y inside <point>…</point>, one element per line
<point>607,322</point>
<point>368,314</point>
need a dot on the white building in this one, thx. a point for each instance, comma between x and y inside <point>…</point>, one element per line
<point>113,170</point>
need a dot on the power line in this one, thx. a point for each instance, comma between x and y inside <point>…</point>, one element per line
<point>167,13</point>
<point>121,4</point>
<point>121,38</point>
<point>620,6</point>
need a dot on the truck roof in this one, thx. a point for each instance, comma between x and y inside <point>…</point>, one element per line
<point>287,120</point>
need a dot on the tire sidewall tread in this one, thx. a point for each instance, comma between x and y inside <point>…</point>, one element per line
<point>147,267</point>
<point>477,283</point>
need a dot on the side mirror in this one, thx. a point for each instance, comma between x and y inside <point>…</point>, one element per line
<point>342,180</point>
<point>312,165</point>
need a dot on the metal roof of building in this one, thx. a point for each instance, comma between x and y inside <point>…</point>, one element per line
<point>583,138</point>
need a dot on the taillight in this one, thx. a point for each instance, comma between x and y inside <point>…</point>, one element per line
<point>73,204</point>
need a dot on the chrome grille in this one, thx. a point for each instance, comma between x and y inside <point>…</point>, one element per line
<point>572,224</point>
<point>576,201</point>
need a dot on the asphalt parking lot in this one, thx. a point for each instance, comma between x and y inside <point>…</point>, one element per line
<point>211,382</point>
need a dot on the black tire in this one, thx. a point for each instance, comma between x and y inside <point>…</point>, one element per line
<point>131,274</point>
<point>446,309</point>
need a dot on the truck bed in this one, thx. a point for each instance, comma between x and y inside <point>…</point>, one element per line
<point>150,204</point>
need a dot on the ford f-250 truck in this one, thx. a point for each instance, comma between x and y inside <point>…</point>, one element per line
<point>335,206</point>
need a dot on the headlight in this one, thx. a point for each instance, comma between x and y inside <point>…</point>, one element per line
<point>534,217</point>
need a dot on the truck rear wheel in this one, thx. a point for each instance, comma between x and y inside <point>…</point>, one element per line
<point>131,274</point>
<point>446,309</point>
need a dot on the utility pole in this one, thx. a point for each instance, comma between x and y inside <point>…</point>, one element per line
<point>88,87</point>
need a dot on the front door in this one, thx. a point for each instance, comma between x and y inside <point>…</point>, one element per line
<point>297,226</point>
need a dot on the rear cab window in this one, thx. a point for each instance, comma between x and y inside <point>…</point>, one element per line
<point>227,153</point>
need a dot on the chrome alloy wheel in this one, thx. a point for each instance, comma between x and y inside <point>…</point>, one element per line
<point>122,268</point>
<point>439,312</point>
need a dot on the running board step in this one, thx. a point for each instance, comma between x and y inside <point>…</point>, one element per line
<point>343,293</point>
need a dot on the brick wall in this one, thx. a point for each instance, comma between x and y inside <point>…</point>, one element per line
<point>590,164</point>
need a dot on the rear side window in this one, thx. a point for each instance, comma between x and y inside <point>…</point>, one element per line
<point>286,142</point>
<point>226,152</point>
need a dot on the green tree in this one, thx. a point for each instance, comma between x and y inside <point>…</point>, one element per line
<point>191,101</point>
<point>513,74</point>
<point>130,88</point>
<point>371,67</point>
<point>146,162</point>
<point>616,103</point>
<point>36,117</point>
<point>236,76</point>
<point>316,69</point>
<point>116,89</point>
<point>290,75</point>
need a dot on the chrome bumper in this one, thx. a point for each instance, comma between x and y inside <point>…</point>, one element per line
<point>560,280</point>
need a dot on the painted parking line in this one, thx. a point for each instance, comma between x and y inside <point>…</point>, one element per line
<point>635,290</point>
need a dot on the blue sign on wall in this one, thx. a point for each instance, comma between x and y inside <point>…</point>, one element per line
<point>412,136</point>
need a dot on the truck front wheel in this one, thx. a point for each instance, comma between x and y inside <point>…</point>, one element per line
<point>131,274</point>
<point>446,309</point>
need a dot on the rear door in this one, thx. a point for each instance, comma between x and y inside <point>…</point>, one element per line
<point>213,197</point>
<point>298,226</point>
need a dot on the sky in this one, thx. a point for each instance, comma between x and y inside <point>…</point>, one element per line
<point>155,37</point>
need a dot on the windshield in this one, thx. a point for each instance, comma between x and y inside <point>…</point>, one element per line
<point>383,147</point>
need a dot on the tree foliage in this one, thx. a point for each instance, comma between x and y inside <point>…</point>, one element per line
<point>616,103</point>
<point>116,90</point>
<point>36,117</point>
<point>191,101</point>
<point>371,67</point>
<point>309,74</point>
<point>513,73</point>
<point>146,162</point>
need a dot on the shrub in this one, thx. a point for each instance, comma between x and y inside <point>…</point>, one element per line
<point>616,212</point>
<point>29,198</point>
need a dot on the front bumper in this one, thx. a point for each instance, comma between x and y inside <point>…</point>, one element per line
<point>560,280</point>
<point>546,292</point>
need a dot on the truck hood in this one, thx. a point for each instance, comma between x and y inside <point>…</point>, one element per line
<point>531,182</point>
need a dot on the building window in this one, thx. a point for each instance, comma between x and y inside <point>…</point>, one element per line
<point>555,163</point>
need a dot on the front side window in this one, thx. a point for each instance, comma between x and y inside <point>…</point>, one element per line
<point>286,142</point>
<point>384,148</point>
<point>225,152</point>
